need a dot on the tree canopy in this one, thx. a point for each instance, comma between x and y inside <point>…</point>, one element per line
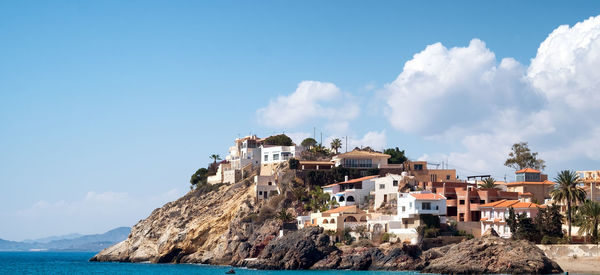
<point>279,140</point>
<point>488,183</point>
<point>308,142</point>
<point>566,190</point>
<point>199,177</point>
<point>521,157</point>
<point>397,156</point>
<point>336,144</point>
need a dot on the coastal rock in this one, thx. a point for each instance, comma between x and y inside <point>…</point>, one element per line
<point>297,250</point>
<point>489,255</point>
<point>196,228</point>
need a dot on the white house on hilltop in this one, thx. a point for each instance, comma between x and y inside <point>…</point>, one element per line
<point>351,192</point>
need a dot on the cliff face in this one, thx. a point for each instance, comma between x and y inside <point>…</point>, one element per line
<point>195,228</point>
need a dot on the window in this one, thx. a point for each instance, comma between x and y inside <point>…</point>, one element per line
<point>482,201</point>
<point>382,186</point>
<point>270,183</point>
<point>461,202</point>
<point>447,177</point>
<point>426,206</point>
<point>433,178</point>
<point>358,163</point>
<point>403,209</point>
<point>395,183</point>
<point>437,207</point>
<point>260,192</point>
<point>410,205</point>
<point>266,157</point>
<point>418,166</point>
<point>275,156</point>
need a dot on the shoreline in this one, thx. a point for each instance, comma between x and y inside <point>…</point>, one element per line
<point>579,265</point>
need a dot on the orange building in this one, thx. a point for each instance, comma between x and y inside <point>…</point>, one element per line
<point>534,182</point>
<point>464,199</point>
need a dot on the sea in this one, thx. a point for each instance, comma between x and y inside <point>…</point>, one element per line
<point>77,263</point>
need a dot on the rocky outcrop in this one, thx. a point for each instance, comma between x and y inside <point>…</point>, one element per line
<point>297,250</point>
<point>197,228</point>
<point>489,255</point>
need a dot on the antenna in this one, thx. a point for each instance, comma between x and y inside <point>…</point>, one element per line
<point>346,144</point>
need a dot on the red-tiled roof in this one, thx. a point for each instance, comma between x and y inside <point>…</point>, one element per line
<point>349,208</point>
<point>525,194</point>
<point>527,170</point>
<point>427,196</point>
<point>353,181</point>
<point>546,182</point>
<point>510,203</point>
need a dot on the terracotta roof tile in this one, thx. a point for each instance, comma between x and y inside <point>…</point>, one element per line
<point>527,170</point>
<point>349,208</point>
<point>359,153</point>
<point>510,203</point>
<point>353,181</point>
<point>427,196</point>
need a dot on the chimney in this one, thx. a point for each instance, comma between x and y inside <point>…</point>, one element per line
<point>346,178</point>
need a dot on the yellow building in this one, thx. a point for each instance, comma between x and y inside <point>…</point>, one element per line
<point>339,218</point>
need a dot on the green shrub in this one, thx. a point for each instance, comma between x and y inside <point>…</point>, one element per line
<point>431,232</point>
<point>386,237</point>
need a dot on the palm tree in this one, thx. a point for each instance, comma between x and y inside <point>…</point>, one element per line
<point>590,213</point>
<point>284,216</point>
<point>336,144</point>
<point>318,199</point>
<point>215,157</point>
<point>566,190</point>
<point>488,183</point>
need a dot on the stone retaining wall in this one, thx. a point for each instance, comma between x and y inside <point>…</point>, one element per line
<point>570,250</point>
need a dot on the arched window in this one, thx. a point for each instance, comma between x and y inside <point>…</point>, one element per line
<point>363,219</point>
<point>332,221</point>
<point>350,198</point>
<point>325,221</point>
<point>341,199</point>
<point>350,219</point>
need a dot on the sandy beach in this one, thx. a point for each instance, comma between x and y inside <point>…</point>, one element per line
<point>587,265</point>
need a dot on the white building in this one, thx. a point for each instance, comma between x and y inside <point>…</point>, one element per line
<point>265,187</point>
<point>386,188</point>
<point>245,151</point>
<point>302,221</point>
<point>413,204</point>
<point>272,155</point>
<point>351,192</point>
<point>494,214</point>
<point>360,159</point>
<point>409,206</point>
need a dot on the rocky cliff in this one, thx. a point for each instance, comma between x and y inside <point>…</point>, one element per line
<point>200,227</point>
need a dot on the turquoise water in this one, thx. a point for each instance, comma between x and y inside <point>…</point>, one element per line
<point>77,263</point>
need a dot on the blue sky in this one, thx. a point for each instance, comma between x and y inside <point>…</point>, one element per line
<point>107,107</point>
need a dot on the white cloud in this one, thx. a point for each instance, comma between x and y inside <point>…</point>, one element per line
<point>463,95</point>
<point>375,140</point>
<point>311,100</point>
<point>442,88</point>
<point>86,215</point>
<point>566,65</point>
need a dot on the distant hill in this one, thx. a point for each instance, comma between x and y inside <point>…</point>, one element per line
<point>95,242</point>
<point>54,238</point>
